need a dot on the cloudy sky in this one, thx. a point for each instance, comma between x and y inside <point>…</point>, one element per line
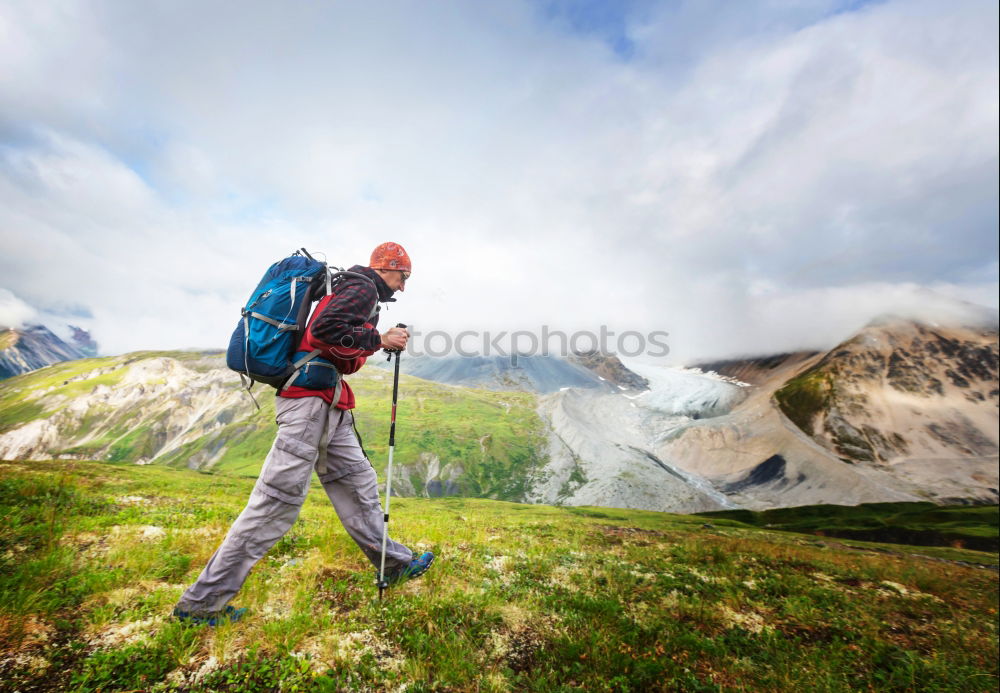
<point>747,176</point>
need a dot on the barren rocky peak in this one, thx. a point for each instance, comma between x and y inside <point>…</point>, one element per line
<point>901,390</point>
<point>30,347</point>
<point>610,368</point>
<point>919,359</point>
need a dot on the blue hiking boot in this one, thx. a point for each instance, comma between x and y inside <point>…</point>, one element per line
<point>228,615</point>
<point>418,566</point>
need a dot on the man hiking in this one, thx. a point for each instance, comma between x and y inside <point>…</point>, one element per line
<point>316,431</point>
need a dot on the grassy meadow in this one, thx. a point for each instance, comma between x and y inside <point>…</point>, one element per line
<point>921,524</point>
<point>94,555</point>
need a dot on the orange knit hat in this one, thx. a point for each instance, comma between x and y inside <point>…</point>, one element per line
<point>390,256</point>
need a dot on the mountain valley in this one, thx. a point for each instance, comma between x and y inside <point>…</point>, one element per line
<point>902,411</point>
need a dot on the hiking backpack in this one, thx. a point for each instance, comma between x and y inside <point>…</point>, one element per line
<point>264,344</point>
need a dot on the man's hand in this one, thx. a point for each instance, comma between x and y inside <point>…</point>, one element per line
<point>395,338</point>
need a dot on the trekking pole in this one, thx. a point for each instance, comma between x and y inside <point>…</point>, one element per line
<point>382,583</point>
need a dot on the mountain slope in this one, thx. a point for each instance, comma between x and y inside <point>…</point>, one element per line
<point>608,367</point>
<point>697,440</point>
<point>936,388</point>
<point>602,446</point>
<point>34,346</point>
<point>540,373</point>
<point>787,443</point>
<point>756,370</point>
<point>919,524</point>
<point>599,454</point>
<point>187,409</point>
<point>693,442</point>
<point>761,460</point>
<point>915,400</point>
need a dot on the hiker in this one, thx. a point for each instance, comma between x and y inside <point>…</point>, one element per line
<point>316,431</point>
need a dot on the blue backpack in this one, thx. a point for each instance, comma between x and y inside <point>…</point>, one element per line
<point>263,346</point>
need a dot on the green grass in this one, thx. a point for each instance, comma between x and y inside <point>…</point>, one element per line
<point>535,598</point>
<point>24,398</point>
<point>921,524</point>
<point>494,438</point>
<point>802,398</point>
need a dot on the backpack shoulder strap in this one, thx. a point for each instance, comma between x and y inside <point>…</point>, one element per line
<point>357,275</point>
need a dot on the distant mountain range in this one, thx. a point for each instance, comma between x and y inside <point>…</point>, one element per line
<point>751,433</point>
<point>534,373</point>
<point>902,411</point>
<point>35,346</point>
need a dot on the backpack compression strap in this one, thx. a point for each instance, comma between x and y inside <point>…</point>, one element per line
<point>245,377</point>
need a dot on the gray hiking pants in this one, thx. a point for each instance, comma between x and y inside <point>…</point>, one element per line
<point>347,477</point>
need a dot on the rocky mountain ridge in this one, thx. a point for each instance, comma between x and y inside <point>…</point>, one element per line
<point>140,408</point>
<point>540,373</point>
<point>769,433</point>
<point>609,368</point>
<point>922,378</point>
<point>24,349</point>
<point>755,370</point>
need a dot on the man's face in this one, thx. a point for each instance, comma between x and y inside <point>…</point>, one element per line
<point>395,279</point>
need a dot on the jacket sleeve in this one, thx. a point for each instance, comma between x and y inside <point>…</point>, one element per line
<point>343,322</point>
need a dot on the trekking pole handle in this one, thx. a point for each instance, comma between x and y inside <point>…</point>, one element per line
<point>389,351</point>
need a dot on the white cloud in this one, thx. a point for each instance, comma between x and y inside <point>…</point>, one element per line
<point>756,177</point>
<point>13,311</point>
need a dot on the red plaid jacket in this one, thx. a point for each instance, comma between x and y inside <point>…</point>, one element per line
<point>341,329</point>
